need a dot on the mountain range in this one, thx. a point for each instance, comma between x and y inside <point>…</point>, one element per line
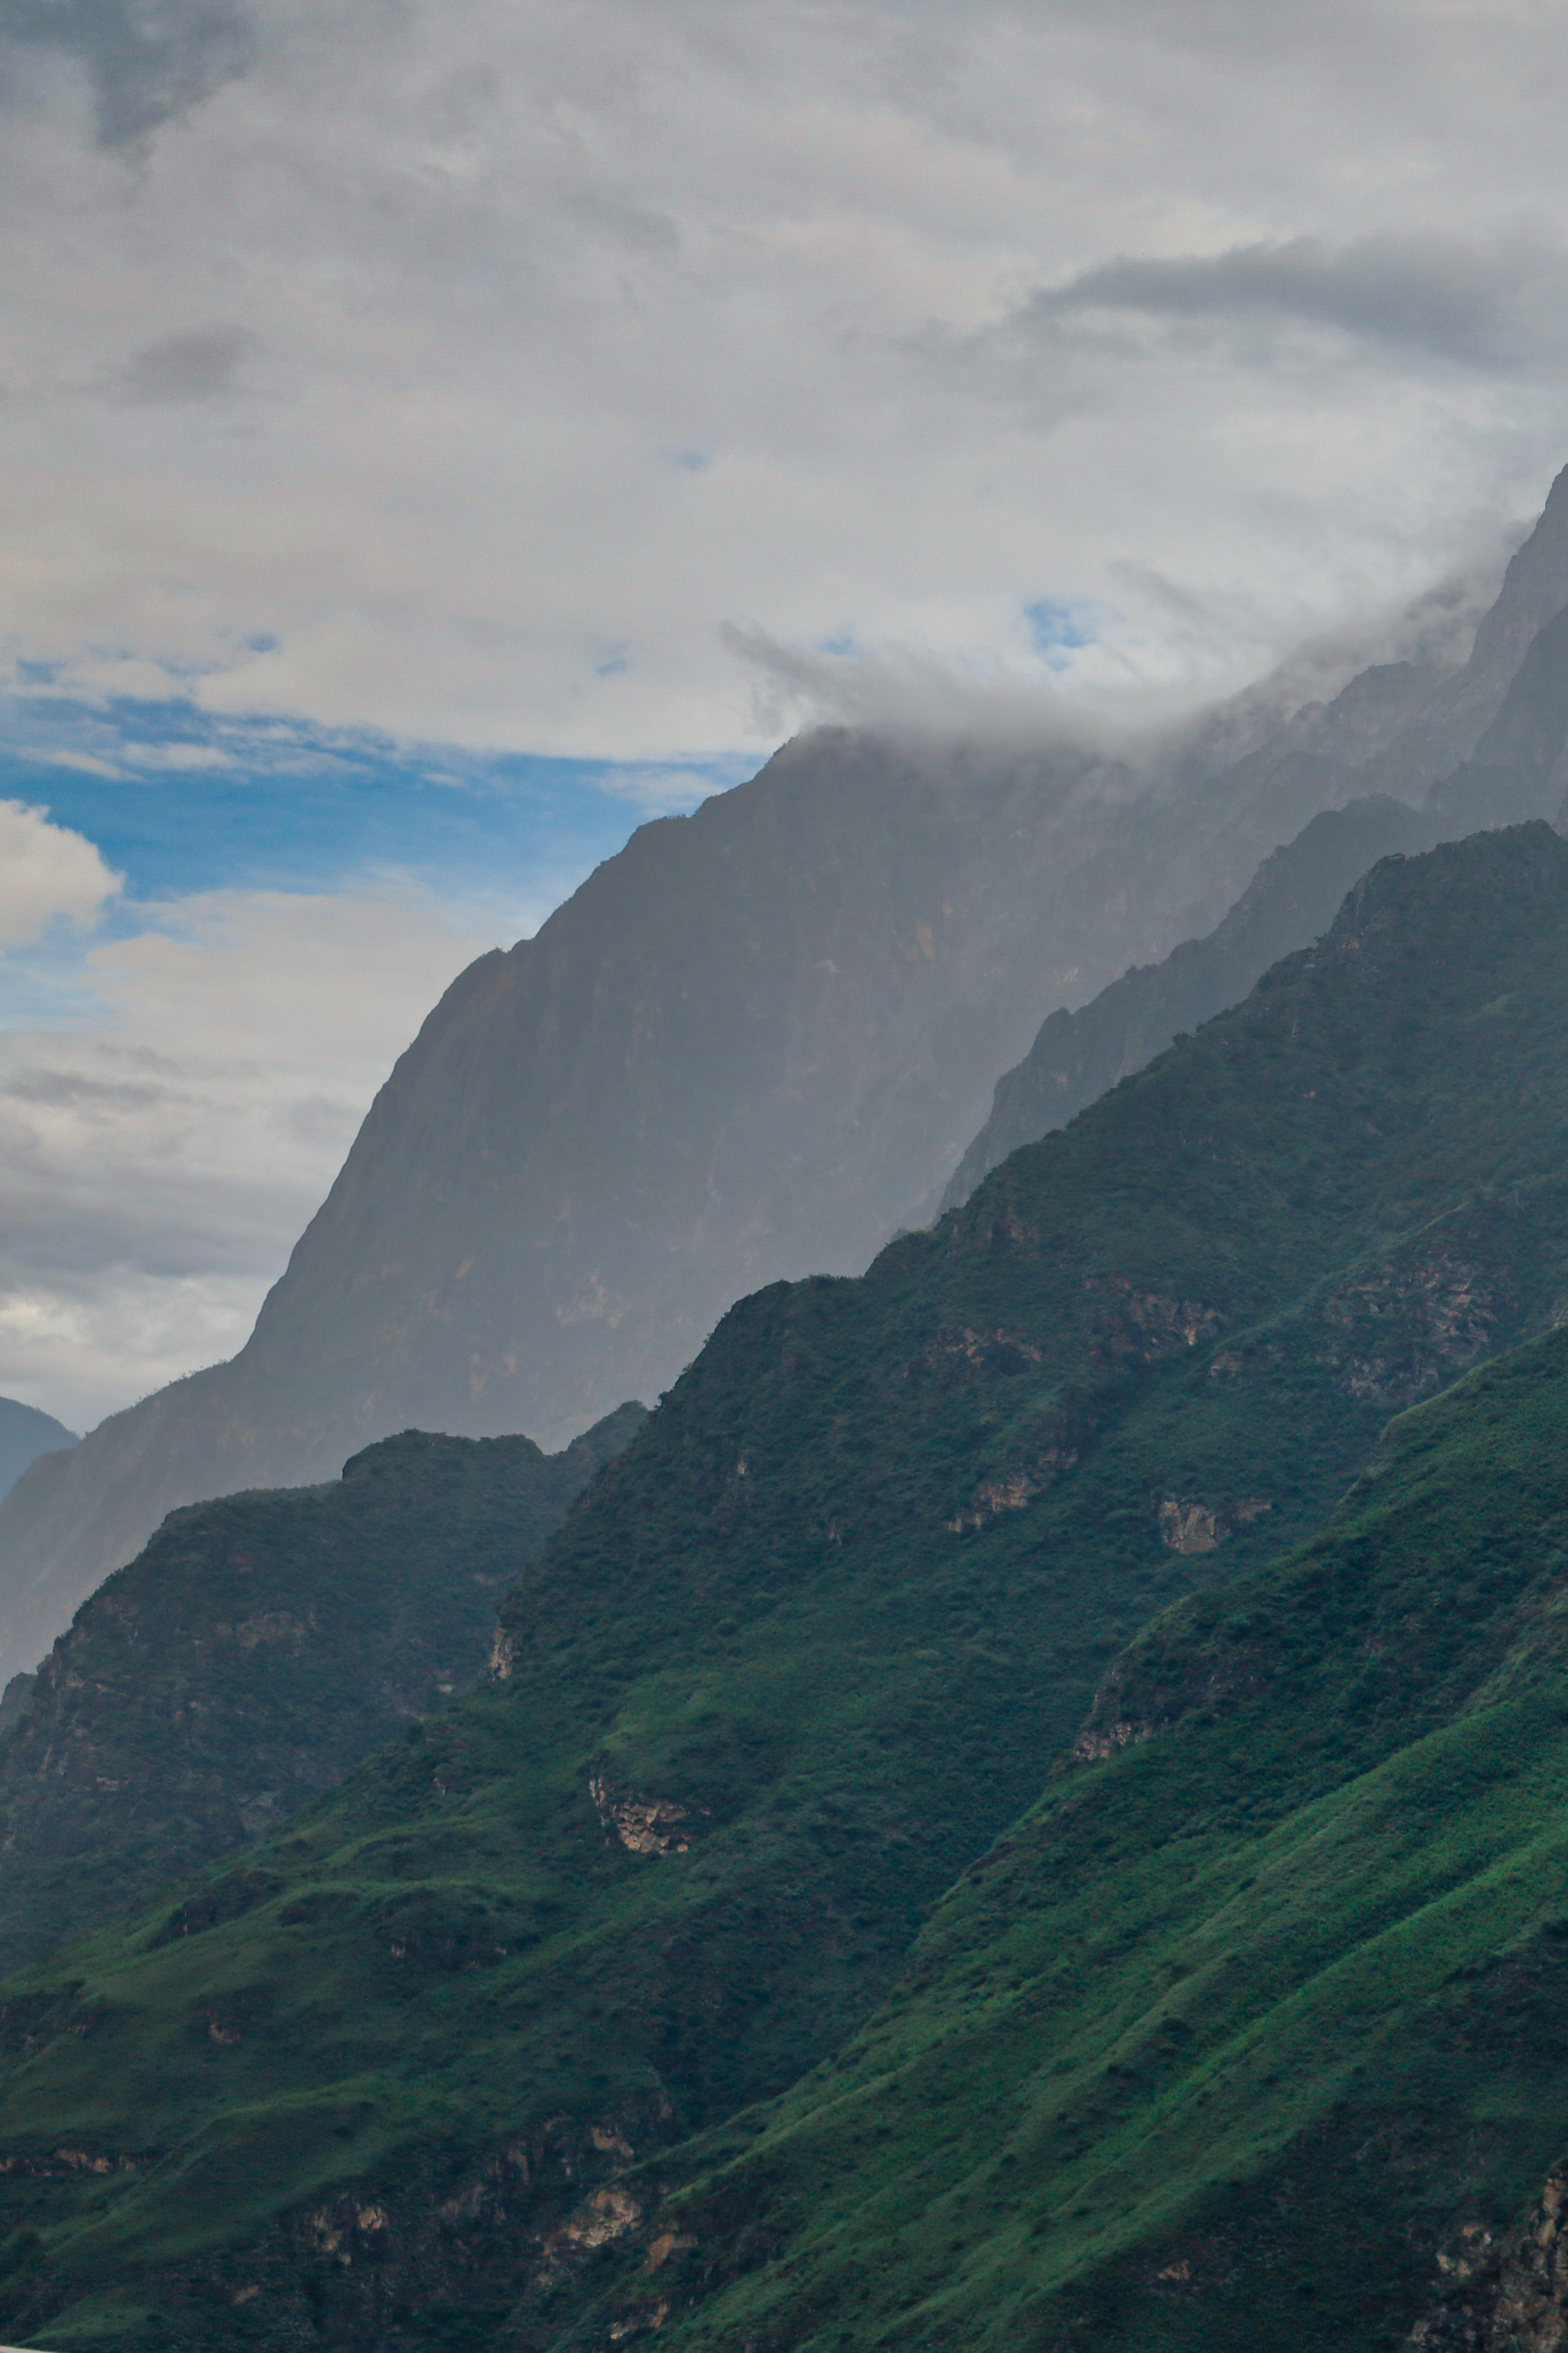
<point>715,1968</point>
<point>759,1041</point>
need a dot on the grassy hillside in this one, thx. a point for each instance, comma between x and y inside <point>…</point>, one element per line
<point>795,1660</point>
<point>1254,2033</point>
<point>258,1648</point>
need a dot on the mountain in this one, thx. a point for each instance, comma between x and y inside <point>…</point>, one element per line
<point>1251,2033</point>
<point>794,1663</point>
<point>1518,770</point>
<point>1293,897</point>
<point>750,1046</point>
<point>254,1652</point>
<point>24,1434</point>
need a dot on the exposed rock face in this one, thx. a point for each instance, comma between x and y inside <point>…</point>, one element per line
<point>1199,1528</point>
<point>750,1046</point>
<point>1511,2298</point>
<point>1450,723</point>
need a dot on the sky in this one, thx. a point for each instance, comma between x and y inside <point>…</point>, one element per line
<point>439,438</point>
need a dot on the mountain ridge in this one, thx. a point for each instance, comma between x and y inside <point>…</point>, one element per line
<point>753,1045</point>
<point>252,1654</point>
<point>794,1663</point>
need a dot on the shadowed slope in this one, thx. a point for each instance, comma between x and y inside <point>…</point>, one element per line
<point>1293,897</point>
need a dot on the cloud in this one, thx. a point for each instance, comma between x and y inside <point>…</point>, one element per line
<point>887,320</point>
<point>159,1155</point>
<point>49,875</point>
<point>146,60</point>
<point>201,363</point>
<point>1496,303</point>
<point>905,689</point>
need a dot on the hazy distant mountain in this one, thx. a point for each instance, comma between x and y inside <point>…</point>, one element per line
<point>24,1434</point>
<point>1294,895</point>
<point>1519,769</point>
<point>750,1046</point>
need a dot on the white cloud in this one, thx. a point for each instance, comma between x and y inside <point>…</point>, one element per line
<point>159,1159</point>
<point>49,875</point>
<point>508,375</point>
<point>490,358</point>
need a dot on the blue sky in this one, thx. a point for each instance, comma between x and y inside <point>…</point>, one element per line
<point>210,955</point>
<point>179,801</point>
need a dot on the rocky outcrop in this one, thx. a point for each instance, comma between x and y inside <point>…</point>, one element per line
<point>1505,2295</point>
<point>1199,1528</point>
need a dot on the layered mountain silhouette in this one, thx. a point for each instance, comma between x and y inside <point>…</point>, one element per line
<point>752,1045</point>
<point>1518,768</point>
<point>471,2051</point>
<point>1078,1055</point>
<point>26,1432</point>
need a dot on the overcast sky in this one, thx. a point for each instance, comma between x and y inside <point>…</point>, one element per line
<point>438,434</point>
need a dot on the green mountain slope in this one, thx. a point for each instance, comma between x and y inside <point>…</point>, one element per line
<point>794,1661</point>
<point>254,1652</point>
<point>1294,895</point>
<point>1254,2033</point>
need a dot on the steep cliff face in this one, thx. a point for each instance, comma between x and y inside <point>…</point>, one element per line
<point>1504,2292</point>
<point>253,1654</point>
<point>753,1045</point>
<point>1446,729</point>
